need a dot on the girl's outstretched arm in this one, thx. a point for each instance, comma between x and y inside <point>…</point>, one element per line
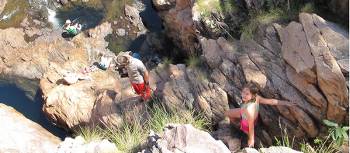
<point>266,101</point>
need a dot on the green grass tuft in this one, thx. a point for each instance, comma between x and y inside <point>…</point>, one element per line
<point>167,61</point>
<point>90,134</point>
<point>192,61</point>
<point>131,136</point>
<point>262,18</point>
<point>308,8</point>
<point>206,7</point>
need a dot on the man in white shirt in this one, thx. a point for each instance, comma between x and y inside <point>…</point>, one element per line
<point>137,73</point>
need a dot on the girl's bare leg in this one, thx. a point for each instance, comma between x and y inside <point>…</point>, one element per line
<point>233,114</point>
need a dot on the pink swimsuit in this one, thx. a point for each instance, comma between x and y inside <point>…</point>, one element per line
<point>244,121</point>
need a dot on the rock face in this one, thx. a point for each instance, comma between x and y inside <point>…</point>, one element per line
<point>187,88</point>
<point>329,76</point>
<point>19,134</point>
<point>92,101</point>
<point>78,144</point>
<point>179,26</point>
<point>308,73</point>
<point>185,138</point>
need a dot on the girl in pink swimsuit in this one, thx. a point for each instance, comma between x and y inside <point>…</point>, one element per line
<point>249,110</point>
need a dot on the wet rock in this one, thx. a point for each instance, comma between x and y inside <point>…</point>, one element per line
<point>186,138</point>
<point>78,144</point>
<point>19,134</point>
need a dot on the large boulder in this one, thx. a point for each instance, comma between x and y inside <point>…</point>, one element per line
<point>19,134</point>
<point>329,76</point>
<point>185,139</point>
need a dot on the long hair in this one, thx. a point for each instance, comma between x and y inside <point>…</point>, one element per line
<point>253,87</point>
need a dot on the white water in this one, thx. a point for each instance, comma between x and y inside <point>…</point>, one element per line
<point>45,5</point>
<point>52,18</point>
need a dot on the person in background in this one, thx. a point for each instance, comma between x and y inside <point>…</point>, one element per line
<point>72,28</point>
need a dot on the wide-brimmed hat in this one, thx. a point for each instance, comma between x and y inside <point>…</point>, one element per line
<point>68,21</point>
<point>123,58</point>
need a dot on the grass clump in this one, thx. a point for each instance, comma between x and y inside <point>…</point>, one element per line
<point>274,13</point>
<point>90,134</point>
<point>131,136</point>
<point>167,61</point>
<point>308,8</point>
<point>284,140</point>
<point>192,61</point>
<point>320,146</point>
<point>262,18</point>
<point>206,7</point>
<point>160,117</point>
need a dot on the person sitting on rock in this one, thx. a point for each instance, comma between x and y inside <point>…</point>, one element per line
<point>137,73</point>
<point>248,113</point>
<point>72,28</point>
